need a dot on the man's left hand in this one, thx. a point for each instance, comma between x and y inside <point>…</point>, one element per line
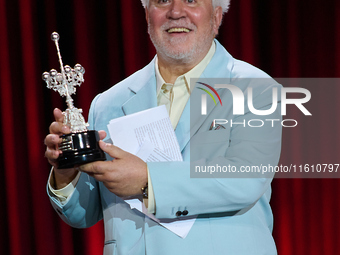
<point>124,176</point>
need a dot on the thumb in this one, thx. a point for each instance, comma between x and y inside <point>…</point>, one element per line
<point>58,115</point>
<point>102,134</point>
<point>113,151</point>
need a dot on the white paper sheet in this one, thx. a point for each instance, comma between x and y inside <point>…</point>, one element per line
<point>153,125</point>
<point>149,153</point>
<point>150,135</point>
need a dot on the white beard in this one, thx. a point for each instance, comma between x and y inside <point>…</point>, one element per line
<point>166,50</point>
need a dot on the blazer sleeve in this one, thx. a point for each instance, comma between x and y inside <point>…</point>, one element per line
<point>83,207</point>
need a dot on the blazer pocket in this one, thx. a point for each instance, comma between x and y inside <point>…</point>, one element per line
<point>212,136</point>
<point>110,247</point>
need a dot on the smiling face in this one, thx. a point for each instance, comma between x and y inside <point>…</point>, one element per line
<point>182,30</point>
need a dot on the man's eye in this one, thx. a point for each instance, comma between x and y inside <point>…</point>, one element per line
<point>190,1</point>
<point>163,1</point>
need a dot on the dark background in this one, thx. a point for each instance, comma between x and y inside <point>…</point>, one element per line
<point>285,38</point>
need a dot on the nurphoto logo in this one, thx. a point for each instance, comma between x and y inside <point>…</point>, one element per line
<point>238,99</point>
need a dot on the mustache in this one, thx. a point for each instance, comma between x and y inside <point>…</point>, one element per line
<point>173,24</point>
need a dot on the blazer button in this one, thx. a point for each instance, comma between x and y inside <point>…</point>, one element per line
<point>178,213</point>
<point>185,212</point>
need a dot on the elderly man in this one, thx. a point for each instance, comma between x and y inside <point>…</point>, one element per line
<point>233,214</point>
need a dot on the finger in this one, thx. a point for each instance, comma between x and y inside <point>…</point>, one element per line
<point>52,140</point>
<point>53,163</point>
<point>113,151</point>
<point>95,168</point>
<point>58,128</point>
<point>102,134</point>
<point>98,177</point>
<point>52,154</point>
<point>58,115</point>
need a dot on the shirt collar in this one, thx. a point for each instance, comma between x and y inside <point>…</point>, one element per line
<point>193,73</point>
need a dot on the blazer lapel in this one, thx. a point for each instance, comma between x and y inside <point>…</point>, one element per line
<point>144,92</point>
<point>191,119</point>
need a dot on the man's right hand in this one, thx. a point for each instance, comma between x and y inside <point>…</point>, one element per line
<point>62,177</point>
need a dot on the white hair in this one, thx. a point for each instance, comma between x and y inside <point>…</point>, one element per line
<point>223,3</point>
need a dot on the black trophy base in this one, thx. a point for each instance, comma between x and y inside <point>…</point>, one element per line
<point>80,148</point>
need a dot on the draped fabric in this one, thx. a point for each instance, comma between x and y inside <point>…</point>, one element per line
<point>285,38</point>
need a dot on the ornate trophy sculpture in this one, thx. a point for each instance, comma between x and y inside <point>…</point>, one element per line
<point>81,145</point>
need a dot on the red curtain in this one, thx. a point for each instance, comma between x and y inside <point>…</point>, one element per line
<point>285,38</point>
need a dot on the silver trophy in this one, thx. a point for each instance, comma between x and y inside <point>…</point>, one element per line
<point>81,145</point>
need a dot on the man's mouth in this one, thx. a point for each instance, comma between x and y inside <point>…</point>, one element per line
<point>178,30</point>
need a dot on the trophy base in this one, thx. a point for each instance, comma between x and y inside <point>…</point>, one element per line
<point>80,148</point>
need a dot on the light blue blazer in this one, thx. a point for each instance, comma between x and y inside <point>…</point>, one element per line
<point>234,215</point>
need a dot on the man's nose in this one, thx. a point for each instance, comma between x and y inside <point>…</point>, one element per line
<point>176,10</point>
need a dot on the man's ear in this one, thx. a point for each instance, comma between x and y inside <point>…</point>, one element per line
<point>218,15</point>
